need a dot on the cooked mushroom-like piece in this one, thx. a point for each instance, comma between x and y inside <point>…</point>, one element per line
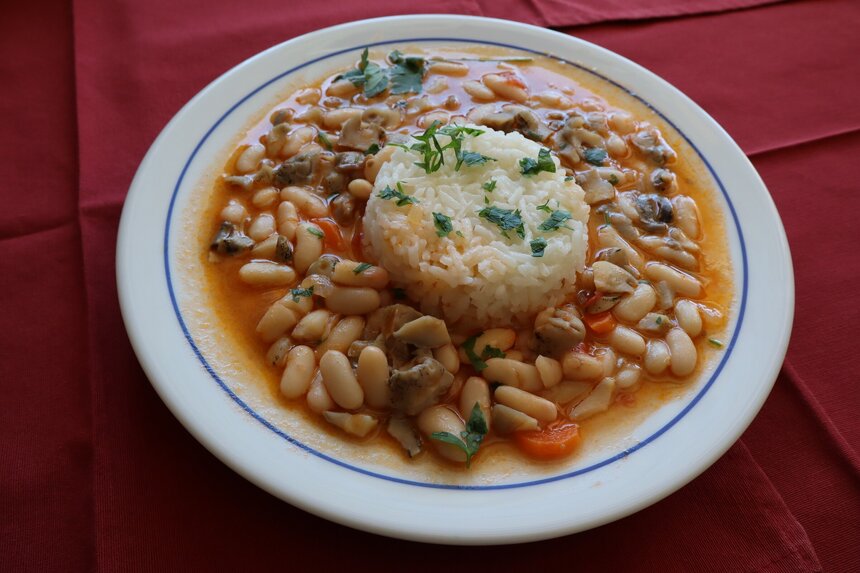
<point>662,180</point>
<point>611,278</point>
<point>596,188</point>
<point>343,209</point>
<point>426,332</point>
<point>402,431</point>
<point>349,161</point>
<point>230,241</point>
<point>655,211</point>
<point>358,134</point>
<point>420,386</point>
<point>514,117</point>
<point>651,144</point>
<point>323,266</point>
<point>557,330</point>
<point>297,170</point>
<point>654,323</point>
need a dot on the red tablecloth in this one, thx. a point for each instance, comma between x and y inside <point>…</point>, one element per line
<point>95,474</point>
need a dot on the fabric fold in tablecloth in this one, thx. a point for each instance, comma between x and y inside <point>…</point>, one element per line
<point>97,474</point>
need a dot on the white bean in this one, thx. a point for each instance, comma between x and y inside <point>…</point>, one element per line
<point>609,360</point>
<point>250,158</point>
<point>261,227</point>
<point>308,203</point>
<point>550,371</point>
<point>506,420</point>
<point>449,68</point>
<point>277,320</point>
<point>373,276</point>
<point>687,215</point>
<point>360,189</point>
<point>567,391</point>
<point>634,307</point>
<point>596,402</point>
<point>478,91</point>
<point>609,237</point>
<point>682,351</point>
<point>308,96</point>
<point>501,338</point>
<point>554,99</point>
<point>277,353</point>
<point>288,220</point>
<point>335,118</point>
<point>475,391</point>
<point>352,300</point>
<point>309,246</point>
<point>688,317</point>
<point>372,372</point>
<point>628,376</point>
<point>341,88</point>
<point>504,87</point>
<point>318,399</point>
<point>265,197</point>
<point>312,327</point>
<point>581,366</point>
<point>266,274</point>
<point>449,358</point>
<point>340,381</point>
<point>513,373</point>
<point>627,341</point>
<point>297,139</point>
<point>616,146</point>
<point>535,406</point>
<point>374,162</point>
<point>622,122</point>
<point>234,212</point>
<point>299,372</point>
<point>359,425</point>
<point>657,357</point>
<point>344,333</point>
<point>441,419</point>
<point>681,283</point>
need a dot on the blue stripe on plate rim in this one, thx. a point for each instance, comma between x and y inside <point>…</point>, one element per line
<point>371,473</point>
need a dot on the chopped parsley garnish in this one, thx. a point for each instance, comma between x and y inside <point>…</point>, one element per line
<point>368,75</point>
<point>544,162</point>
<point>406,73</point>
<point>316,232</point>
<point>544,207</point>
<point>372,150</point>
<point>489,186</point>
<point>594,155</point>
<point>433,152</point>
<point>443,224</point>
<point>469,349</point>
<point>361,267</point>
<point>716,343</point>
<point>613,178</point>
<point>458,233</point>
<point>470,439</point>
<point>555,221</point>
<point>569,178</point>
<point>492,352</point>
<point>402,198</point>
<point>538,246</point>
<point>505,220</point>
<point>298,293</point>
<point>486,200</point>
<point>324,140</point>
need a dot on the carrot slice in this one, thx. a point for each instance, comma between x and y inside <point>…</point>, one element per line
<point>600,323</point>
<point>333,238</point>
<point>557,440</point>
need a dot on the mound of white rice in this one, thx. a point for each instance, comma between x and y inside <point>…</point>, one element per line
<point>475,277</point>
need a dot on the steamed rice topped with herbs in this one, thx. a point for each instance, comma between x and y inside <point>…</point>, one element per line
<point>488,232</point>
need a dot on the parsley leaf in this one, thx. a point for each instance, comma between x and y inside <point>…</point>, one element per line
<point>538,246</point>
<point>443,224</point>
<point>569,178</point>
<point>361,267</point>
<point>469,349</point>
<point>489,186</point>
<point>470,439</point>
<point>544,162</point>
<point>715,343</point>
<point>368,75</point>
<point>504,219</point>
<point>492,352</point>
<point>298,293</point>
<point>402,198</point>
<point>594,155</point>
<point>372,150</point>
<point>555,221</point>
<point>473,158</point>
<point>316,232</point>
<point>406,73</point>
<point>544,207</point>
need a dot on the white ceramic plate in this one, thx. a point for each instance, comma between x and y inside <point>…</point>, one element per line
<point>674,445</point>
